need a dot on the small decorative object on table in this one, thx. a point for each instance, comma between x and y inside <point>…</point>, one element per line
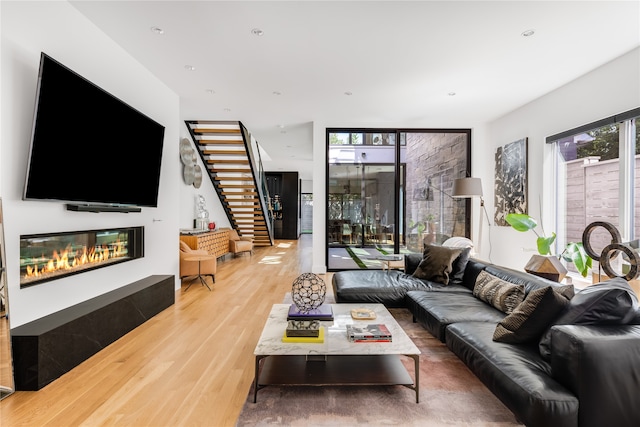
<point>308,292</point>
<point>363,314</point>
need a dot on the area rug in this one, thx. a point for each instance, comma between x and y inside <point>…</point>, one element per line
<point>450,395</point>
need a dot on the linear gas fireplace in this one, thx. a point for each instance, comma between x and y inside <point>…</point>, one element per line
<point>45,257</point>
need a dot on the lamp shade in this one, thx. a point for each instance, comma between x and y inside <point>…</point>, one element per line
<point>467,187</point>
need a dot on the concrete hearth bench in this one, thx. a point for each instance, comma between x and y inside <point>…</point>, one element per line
<point>46,348</point>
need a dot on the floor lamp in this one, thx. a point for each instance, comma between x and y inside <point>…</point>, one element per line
<point>472,187</point>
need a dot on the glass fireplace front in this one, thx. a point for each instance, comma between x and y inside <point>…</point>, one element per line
<point>45,257</point>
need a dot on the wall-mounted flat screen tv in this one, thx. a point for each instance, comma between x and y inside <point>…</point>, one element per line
<point>87,146</point>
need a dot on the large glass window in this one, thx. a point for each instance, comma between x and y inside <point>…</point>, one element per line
<point>389,192</point>
<point>598,171</point>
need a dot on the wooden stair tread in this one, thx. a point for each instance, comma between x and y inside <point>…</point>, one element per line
<point>225,152</point>
<point>234,170</point>
<point>234,178</point>
<point>228,161</point>
<point>213,129</point>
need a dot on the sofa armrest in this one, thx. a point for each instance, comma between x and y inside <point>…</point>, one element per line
<point>601,365</point>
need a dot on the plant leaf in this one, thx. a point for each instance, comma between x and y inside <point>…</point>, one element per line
<point>521,222</point>
<point>575,253</point>
<point>544,244</point>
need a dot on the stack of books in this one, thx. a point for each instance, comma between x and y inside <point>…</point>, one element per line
<point>369,333</point>
<point>303,331</point>
<point>324,312</point>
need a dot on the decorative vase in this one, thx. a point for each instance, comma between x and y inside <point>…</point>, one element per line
<point>548,267</point>
<point>308,292</point>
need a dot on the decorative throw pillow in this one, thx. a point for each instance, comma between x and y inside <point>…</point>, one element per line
<point>567,291</point>
<point>436,264</point>
<point>458,266</point>
<point>502,295</point>
<point>608,303</point>
<point>531,317</point>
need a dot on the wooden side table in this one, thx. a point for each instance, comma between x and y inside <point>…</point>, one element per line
<point>199,259</point>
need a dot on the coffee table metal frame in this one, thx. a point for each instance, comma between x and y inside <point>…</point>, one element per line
<point>336,361</point>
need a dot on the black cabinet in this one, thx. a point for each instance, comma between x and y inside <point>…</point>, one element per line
<point>284,191</point>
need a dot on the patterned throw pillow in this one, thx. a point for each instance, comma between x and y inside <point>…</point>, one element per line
<point>502,295</point>
<point>437,263</point>
<point>528,321</point>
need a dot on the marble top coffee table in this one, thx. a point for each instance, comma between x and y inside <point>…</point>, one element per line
<point>336,361</point>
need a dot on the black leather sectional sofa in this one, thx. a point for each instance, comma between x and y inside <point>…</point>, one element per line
<point>589,374</point>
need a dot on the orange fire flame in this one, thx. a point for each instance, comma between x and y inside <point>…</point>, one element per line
<point>66,260</point>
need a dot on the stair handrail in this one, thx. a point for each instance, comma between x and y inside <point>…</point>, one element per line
<point>259,177</point>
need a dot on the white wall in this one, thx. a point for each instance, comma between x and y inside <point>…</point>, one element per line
<point>306,186</point>
<point>59,30</point>
<point>608,90</point>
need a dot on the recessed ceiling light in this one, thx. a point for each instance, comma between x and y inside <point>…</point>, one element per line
<point>227,110</point>
<point>257,32</point>
<point>211,91</point>
<point>281,126</point>
<point>528,33</point>
<point>189,68</point>
<point>275,92</point>
<point>348,93</point>
<point>157,30</point>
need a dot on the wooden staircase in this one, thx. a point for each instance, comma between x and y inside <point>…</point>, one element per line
<point>231,161</point>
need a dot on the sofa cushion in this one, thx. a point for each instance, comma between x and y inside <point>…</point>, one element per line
<point>375,286</point>
<point>474,267</point>
<point>516,374</point>
<point>437,310</point>
<point>502,295</point>
<point>528,321</point>
<point>437,263</point>
<point>608,303</point>
<point>458,267</point>
<point>411,262</point>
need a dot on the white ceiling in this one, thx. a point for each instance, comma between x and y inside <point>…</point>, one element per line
<point>400,60</point>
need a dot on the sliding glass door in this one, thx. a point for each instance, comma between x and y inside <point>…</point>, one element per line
<point>388,192</point>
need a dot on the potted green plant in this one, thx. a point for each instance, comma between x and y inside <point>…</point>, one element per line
<point>573,252</point>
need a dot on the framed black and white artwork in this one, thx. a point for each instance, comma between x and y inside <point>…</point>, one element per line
<point>510,180</point>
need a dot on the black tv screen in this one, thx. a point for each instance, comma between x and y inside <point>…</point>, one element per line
<point>87,146</point>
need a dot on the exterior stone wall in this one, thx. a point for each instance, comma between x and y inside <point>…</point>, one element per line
<point>433,161</point>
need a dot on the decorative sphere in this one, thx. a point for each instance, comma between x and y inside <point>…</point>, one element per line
<point>308,292</point>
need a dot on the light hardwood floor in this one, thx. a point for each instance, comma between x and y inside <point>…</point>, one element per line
<point>191,365</point>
